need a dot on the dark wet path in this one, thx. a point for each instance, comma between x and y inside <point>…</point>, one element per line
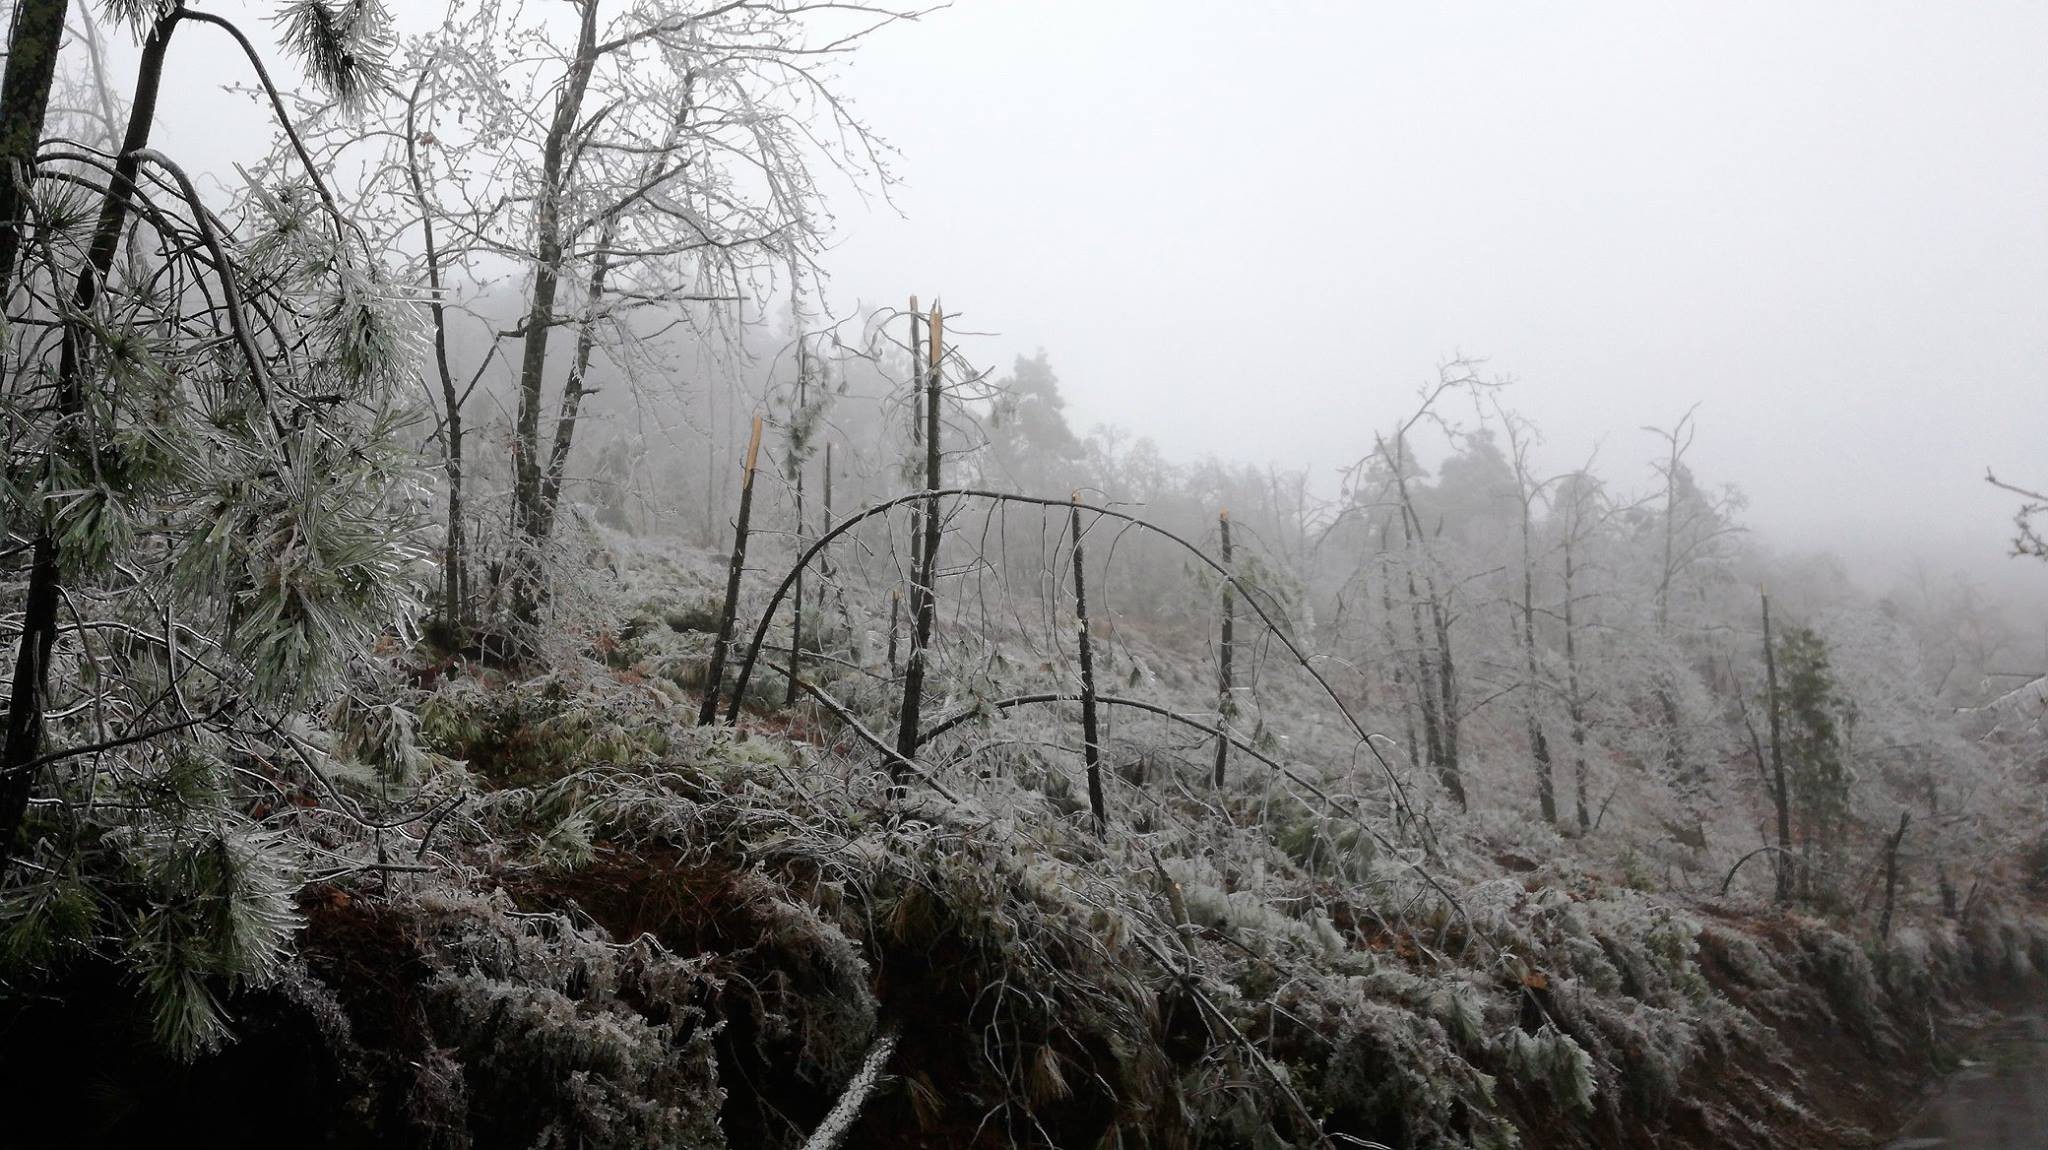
<point>1998,1101</point>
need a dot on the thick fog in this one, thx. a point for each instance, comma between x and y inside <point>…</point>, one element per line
<point>1253,230</point>
<point>1434,581</point>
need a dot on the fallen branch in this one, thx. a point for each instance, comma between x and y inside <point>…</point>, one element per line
<point>845,716</point>
<point>837,1121</point>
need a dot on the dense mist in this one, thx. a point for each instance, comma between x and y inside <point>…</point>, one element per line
<point>805,575</point>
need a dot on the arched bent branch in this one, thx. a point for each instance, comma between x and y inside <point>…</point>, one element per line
<point>952,721</point>
<point>1283,770</point>
<point>1772,848</point>
<point>1251,600</point>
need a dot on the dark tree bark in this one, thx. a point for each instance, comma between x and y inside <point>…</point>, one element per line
<point>528,517</point>
<point>1782,795</point>
<point>895,627</point>
<point>32,47</point>
<point>1398,674</point>
<point>1226,705</point>
<point>708,710</point>
<point>1539,743</point>
<point>454,552</point>
<point>917,387</point>
<point>1440,680</point>
<point>923,597</point>
<point>1091,747</point>
<point>1891,877</point>
<point>796,473</point>
<point>575,388</point>
<point>1575,700</point>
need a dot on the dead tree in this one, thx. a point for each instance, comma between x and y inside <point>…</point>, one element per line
<point>708,711</point>
<point>1891,877</point>
<point>796,475</point>
<point>1398,794</point>
<point>1539,745</point>
<point>1091,747</point>
<point>1781,790</point>
<point>1435,668</point>
<point>923,600</point>
<point>1226,705</point>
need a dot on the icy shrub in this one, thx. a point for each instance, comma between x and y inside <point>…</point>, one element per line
<point>1841,967</point>
<point>557,1037</point>
<point>1393,1076</point>
<point>1552,1058</point>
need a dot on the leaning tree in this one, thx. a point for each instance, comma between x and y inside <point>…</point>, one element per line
<point>205,507</point>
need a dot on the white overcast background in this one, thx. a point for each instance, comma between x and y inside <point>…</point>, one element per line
<point>1252,229</point>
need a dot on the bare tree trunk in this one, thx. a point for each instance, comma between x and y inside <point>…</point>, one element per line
<point>917,388</point>
<point>716,671</point>
<point>895,626</point>
<point>796,470</point>
<point>1891,877</point>
<point>923,595</point>
<point>1398,674</point>
<point>527,515</point>
<point>1426,697</point>
<point>1226,702</point>
<point>827,582</point>
<point>1783,796</point>
<point>454,591</point>
<point>1674,740</point>
<point>1575,702</point>
<point>573,392</point>
<point>1439,683</point>
<point>573,389</point>
<point>1447,696</point>
<point>1091,748</point>
<point>1539,745</point>
<point>32,47</point>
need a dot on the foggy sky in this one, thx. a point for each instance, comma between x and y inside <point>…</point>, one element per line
<point>1253,229</point>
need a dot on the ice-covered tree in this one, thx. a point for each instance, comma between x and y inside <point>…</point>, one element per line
<point>208,510</point>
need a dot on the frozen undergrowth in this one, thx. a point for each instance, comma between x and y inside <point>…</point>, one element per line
<point>1250,965</point>
<point>634,931</point>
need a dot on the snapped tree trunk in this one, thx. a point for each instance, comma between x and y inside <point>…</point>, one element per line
<point>923,598</point>
<point>917,389</point>
<point>1091,748</point>
<point>1226,705</point>
<point>715,673</point>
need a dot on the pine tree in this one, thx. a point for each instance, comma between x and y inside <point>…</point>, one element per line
<point>206,462</point>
